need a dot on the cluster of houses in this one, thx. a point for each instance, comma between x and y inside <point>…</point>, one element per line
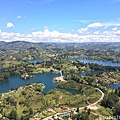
<point>59,79</point>
<point>57,116</point>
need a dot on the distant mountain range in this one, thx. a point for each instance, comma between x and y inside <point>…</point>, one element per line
<point>20,45</point>
<point>26,45</point>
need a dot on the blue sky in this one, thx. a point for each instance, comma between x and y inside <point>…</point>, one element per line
<point>60,20</point>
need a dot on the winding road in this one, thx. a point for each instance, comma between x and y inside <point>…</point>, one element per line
<point>88,106</point>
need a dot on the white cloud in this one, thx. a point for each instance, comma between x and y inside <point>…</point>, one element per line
<point>19,17</point>
<point>117,33</point>
<point>85,21</point>
<point>32,28</point>
<point>96,32</point>
<point>112,34</point>
<point>106,33</point>
<point>87,34</point>
<point>45,27</point>
<point>83,30</point>
<point>105,25</point>
<point>109,24</point>
<point>114,29</point>
<point>9,25</point>
<point>95,25</point>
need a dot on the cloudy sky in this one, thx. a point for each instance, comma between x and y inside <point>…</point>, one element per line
<point>60,20</point>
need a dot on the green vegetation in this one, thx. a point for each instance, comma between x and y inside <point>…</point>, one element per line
<point>25,102</point>
<point>28,100</point>
<point>88,93</point>
<point>22,102</point>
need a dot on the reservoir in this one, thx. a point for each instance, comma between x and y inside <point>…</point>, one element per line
<point>47,78</point>
<point>115,86</point>
<point>15,81</point>
<point>107,63</point>
<point>103,63</point>
<point>35,61</point>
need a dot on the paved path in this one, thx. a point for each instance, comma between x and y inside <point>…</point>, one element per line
<point>88,106</point>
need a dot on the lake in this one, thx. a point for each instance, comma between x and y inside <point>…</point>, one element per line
<point>107,63</point>
<point>15,81</point>
<point>45,78</point>
<point>100,62</point>
<point>115,86</point>
<point>35,61</point>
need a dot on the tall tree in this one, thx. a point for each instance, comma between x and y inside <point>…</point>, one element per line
<point>13,115</point>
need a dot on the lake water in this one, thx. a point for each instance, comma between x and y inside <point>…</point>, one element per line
<point>115,86</point>
<point>46,78</point>
<point>35,61</point>
<point>15,81</point>
<point>107,63</point>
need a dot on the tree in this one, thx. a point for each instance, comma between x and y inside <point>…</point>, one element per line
<point>77,109</point>
<point>30,111</point>
<point>84,116</point>
<point>22,118</point>
<point>13,115</point>
<point>117,109</point>
<point>110,100</point>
